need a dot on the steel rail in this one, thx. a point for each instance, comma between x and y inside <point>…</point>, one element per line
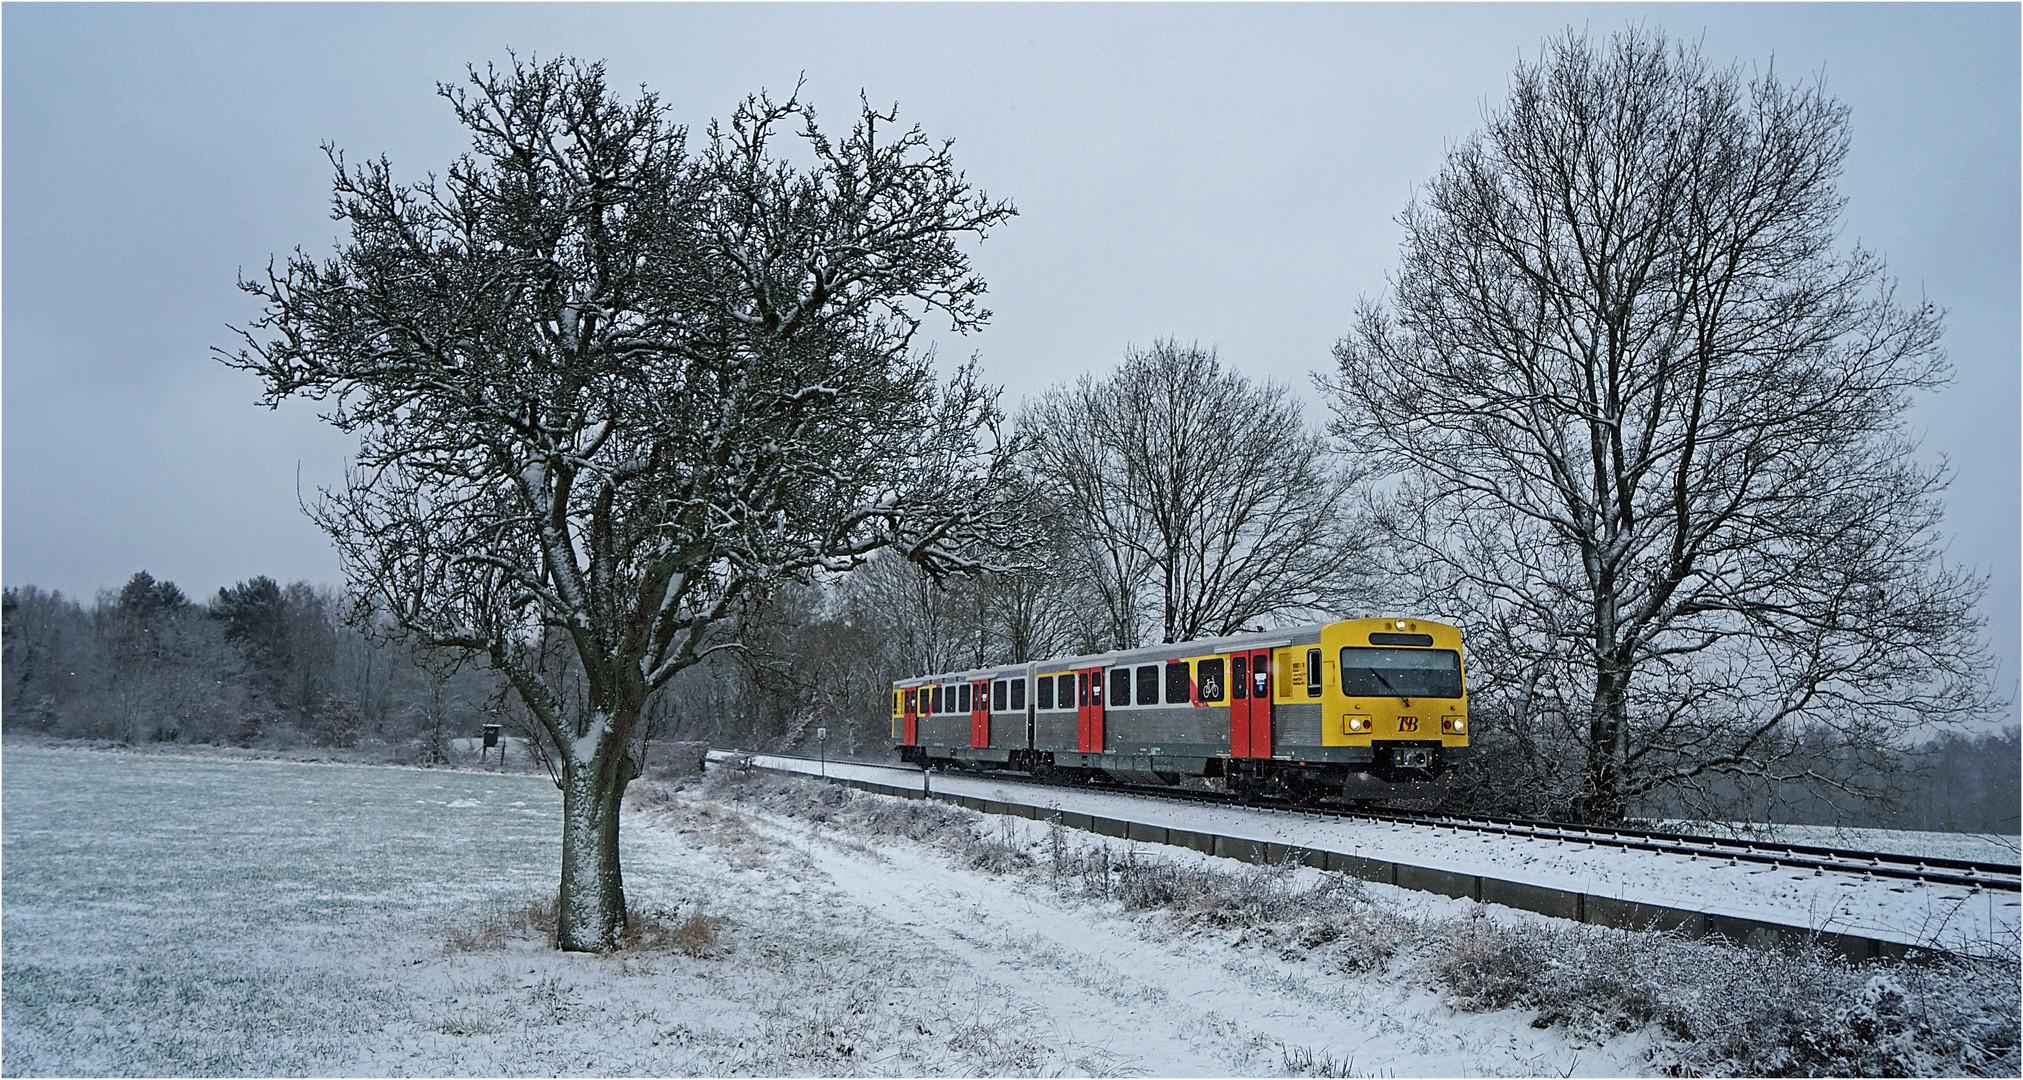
<point>1867,864</point>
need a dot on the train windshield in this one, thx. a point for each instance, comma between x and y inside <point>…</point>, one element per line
<point>1372,672</point>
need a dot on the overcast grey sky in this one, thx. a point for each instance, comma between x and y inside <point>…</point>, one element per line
<point>1223,173</point>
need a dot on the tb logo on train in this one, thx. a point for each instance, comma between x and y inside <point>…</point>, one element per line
<point>1330,710</point>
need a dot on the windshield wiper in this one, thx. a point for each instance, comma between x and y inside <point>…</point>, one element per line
<point>1388,686</point>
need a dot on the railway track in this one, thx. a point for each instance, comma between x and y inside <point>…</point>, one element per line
<point>1865,864</point>
<point>1928,869</point>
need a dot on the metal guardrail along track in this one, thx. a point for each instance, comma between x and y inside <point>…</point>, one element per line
<point>1868,864</point>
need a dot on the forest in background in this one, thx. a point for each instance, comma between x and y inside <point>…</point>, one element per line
<point>277,667</point>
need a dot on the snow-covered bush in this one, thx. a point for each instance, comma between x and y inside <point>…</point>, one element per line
<point>1261,895</point>
<point>1725,1010</point>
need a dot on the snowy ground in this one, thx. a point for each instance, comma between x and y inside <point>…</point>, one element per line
<point>164,915</point>
<point>1983,922</point>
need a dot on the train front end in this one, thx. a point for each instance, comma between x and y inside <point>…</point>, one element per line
<point>1396,697</point>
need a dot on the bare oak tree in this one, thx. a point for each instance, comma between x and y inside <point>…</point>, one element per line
<point>608,388</point>
<point>1201,501</point>
<point>1649,424</point>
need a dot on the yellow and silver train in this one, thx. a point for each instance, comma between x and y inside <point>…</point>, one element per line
<point>1360,709</point>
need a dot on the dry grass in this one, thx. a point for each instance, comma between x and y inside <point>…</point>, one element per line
<point>699,934</point>
<point>1306,1061</point>
<point>467,1023</point>
<point>535,920</point>
<point>647,931</point>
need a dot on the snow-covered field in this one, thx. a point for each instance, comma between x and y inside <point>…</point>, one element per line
<point>163,915</point>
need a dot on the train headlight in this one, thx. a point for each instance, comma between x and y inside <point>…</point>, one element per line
<point>1455,724</point>
<point>1355,724</point>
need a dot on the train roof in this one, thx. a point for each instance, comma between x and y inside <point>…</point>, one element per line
<point>1285,635</point>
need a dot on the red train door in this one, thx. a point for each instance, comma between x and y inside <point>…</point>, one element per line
<point>1089,710</point>
<point>979,714</point>
<point>912,728</point>
<point>1250,703</point>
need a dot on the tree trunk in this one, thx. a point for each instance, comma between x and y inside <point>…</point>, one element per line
<point>590,913</point>
<point>1601,801</point>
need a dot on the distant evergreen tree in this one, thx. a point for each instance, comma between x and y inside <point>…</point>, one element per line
<point>144,598</point>
<point>255,621</point>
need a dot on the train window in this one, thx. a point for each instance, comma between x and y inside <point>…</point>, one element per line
<point>934,700</point>
<point>1148,684</point>
<point>1433,673</point>
<point>1068,691</point>
<point>1018,693</point>
<point>913,702</point>
<point>1179,687</point>
<point>962,698</point>
<point>999,692</point>
<point>1208,676</point>
<point>1082,690</point>
<point>1120,686</point>
<point>1236,680</point>
<point>1046,685</point>
<point>1313,673</point>
<point>1260,680</point>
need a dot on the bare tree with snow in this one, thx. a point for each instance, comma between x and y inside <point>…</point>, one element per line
<point>1199,501</point>
<point>608,387</point>
<point>1648,422</point>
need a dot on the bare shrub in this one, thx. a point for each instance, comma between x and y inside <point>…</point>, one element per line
<point>1255,896</point>
<point>999,849</point>
<point>1723,1009</point>
<point>1598,982</point>
<point>1747,1012</point>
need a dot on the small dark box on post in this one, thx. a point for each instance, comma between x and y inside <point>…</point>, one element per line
<point>492,735</point>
